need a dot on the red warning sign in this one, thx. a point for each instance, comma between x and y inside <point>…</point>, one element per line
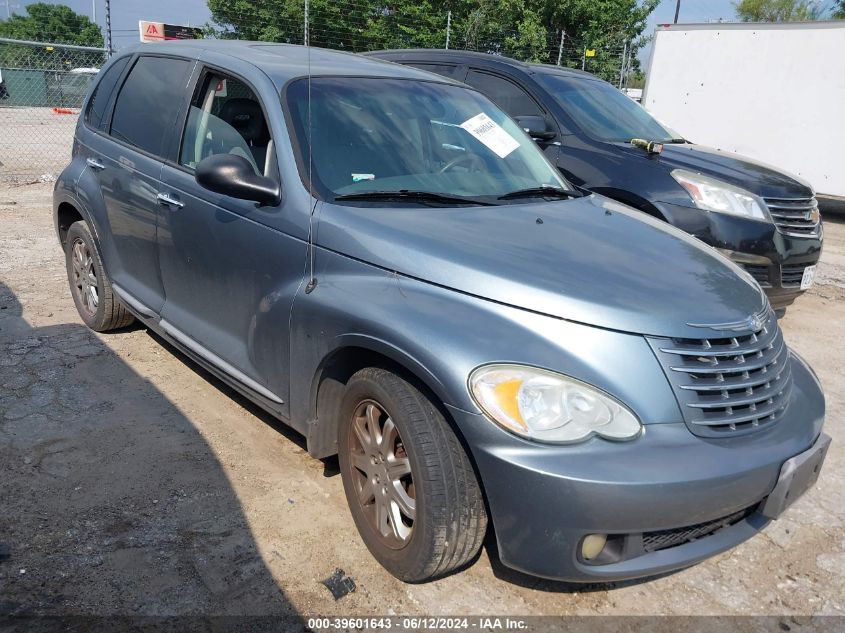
<point>159,32</point>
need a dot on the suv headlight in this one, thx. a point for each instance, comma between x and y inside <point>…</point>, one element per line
<point>721,197</point>
<point>548,407</point>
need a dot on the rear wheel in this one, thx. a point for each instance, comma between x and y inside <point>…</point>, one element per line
<point>89,285</point>
<point>410,486</point>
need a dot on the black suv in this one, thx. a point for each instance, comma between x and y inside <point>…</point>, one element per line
<point>763,219</point>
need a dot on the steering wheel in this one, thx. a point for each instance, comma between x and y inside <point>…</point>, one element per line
<point>458,160</point>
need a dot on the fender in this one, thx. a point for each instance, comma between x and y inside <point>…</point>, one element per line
<point>440,336</point>
<point>77,192</point>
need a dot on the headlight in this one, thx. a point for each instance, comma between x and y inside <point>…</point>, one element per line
<point>715,195</point>
<point>548,407</point>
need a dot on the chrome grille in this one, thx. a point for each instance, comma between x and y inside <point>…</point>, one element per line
<point>794,216</point>
<point>729,386</point>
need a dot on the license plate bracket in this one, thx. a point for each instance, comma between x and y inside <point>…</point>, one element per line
<point>797,475</point>
<point>808,277</point>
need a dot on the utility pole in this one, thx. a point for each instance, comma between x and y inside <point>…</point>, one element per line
<point>108,29</point>
<point>448,28</point>
<point>9,7</point>
<point>306,38</point>
<point>677,10</point>
<point>624,62</point>
<point>94,11</point>
<point>560,48</point>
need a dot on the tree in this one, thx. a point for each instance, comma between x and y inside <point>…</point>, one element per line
<point>52,23</point>
<point>56,24</point>
<point>839,10</point>
<point>526,29</point>
<point>778,10</point>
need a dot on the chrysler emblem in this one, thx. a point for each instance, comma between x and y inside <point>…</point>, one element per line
<point>753,323</point>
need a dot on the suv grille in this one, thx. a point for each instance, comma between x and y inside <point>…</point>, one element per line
<point>794,216</point>
<point>654,541</point>
<point>729,386</point>
<point>759,272</point>
<point>791,275</point>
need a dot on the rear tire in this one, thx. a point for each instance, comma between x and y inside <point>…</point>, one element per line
<point>410,486</point>
<point>89,285</point>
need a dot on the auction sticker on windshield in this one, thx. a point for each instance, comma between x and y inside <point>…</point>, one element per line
<point>491,134</point>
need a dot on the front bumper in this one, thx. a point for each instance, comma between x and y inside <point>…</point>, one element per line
<point>774,259</point>
<point>545,499</point>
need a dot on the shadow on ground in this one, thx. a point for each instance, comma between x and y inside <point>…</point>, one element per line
<point>92,532</point>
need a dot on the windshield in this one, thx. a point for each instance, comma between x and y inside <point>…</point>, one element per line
<point>394,135</point>
<point>602,111</point>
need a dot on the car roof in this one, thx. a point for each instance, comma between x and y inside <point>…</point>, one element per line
<point>474,57</point>
<point>283,62</point>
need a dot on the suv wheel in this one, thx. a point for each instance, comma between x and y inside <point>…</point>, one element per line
<point>410,486</point>
<point>89,285</point>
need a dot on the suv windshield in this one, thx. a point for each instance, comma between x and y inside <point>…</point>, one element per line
<point>383,136</point>
<point>602,111</point>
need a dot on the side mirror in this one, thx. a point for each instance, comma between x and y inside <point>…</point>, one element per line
<point>234,176</point>
<point>536,127</point>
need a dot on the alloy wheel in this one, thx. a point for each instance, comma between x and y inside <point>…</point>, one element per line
<point>381,472</point>
<point>84,277</point>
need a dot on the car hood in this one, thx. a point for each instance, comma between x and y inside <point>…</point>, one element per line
<point>590,260</point>
<point>764,180</point>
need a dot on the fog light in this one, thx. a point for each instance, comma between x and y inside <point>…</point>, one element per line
<point>592,545</point>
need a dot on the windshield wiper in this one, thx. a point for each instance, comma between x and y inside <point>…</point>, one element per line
<point>542,192</point>
<point>676,141</point>
<point>407,194</point>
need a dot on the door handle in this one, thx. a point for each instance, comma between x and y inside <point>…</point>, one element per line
<point>166,198</point>
<point>94,163</point>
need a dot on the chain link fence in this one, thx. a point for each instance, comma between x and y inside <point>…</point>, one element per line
<point>44,84</point>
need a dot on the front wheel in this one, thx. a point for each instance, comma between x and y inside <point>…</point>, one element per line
<point>410,486</point>
<point>89,285</point>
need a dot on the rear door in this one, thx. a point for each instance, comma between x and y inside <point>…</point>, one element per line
<point>126,155</point>
<point>230,267</point>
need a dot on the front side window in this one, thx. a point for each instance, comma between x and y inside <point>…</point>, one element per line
<point>602,111</point>
<point>225,118</point>
<point>149,101</point>
<point>395,135</point>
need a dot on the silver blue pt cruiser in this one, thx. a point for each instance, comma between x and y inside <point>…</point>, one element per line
<point>382,259</point>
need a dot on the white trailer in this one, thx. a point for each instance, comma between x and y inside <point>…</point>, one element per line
<point>774,92</point>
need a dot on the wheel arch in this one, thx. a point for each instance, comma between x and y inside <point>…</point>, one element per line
<point>632,200</point>
<point>352,354</point>
<point>69,209</point>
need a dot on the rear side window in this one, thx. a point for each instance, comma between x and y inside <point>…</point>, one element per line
<point>149,101</point>
<point>102,92</point>
<point>504,93</point>
<point>446,70</point>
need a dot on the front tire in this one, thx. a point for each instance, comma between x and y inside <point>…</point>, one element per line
<point>410,486</point>
<point>89,285</point>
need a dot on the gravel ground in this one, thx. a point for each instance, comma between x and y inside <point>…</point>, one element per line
<point>33,142</point>
<point>132,482</point>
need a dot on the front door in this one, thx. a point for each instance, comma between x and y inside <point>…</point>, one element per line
<point>230,268</point>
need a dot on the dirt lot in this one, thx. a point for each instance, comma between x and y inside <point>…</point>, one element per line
<point>34,142</point>
<point>131,482</point>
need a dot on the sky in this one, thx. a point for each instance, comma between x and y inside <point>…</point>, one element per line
<point>127,13</point>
